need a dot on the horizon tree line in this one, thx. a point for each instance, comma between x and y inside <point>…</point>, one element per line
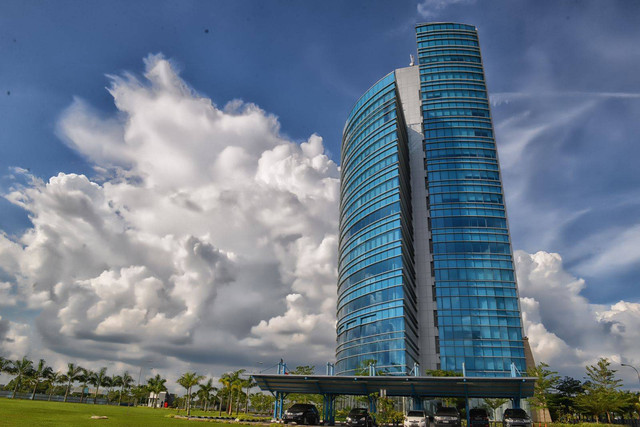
<point>31,378</point>
<point>566,399</point>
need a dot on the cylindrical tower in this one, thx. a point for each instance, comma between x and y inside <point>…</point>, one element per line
<point>376,297</point>
<point>478,313</point>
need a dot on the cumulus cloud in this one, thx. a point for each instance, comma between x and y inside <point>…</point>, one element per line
<point>564,328</point>
<point>201,233</point>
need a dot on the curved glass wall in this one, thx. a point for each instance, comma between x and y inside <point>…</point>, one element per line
<point>478,314</point>
<point>376,297</point>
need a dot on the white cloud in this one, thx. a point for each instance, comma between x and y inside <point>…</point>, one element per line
<point>431,8</point>
<point>199,223</point>
<point>565,330</point>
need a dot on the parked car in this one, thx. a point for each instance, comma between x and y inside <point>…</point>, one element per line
<point>479,417</point>
<point>416,419</point>
<point>516,418</point>
<point>446,417</point>
<point>302,413</point>
<point>360,417</point>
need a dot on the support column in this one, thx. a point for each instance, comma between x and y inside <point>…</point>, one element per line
<point>328,409</point>
<point>416,403</point>
<point>372,405</point>
<point>466,407</point>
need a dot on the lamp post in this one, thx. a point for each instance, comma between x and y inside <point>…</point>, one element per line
<point>632,367</point>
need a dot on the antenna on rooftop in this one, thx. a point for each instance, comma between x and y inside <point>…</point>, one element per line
<point>412,61</point>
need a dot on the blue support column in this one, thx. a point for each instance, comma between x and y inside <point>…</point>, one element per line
<point>328,409</point>
<point>516,402</point>
<point>281,405</point>
<point>416,403</point>
<point>466,401</point>
<point>275,405</point>
<point>466,407</point>
<point>372,404</point>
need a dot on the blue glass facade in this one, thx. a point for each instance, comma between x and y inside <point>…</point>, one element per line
<point>479,319</point>
<point>476,310</point>
<point>376,302</point>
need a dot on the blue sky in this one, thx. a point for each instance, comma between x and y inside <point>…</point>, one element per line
<point>565,96</point>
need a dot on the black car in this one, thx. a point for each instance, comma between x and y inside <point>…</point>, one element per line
<point>479,417</point>
<point>516,418</point>
<point>446,417</point>
<point>302,413</point>
<point>360,417</point>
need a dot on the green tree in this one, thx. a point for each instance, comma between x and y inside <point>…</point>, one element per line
<point>387,412</point>
<point>601,391</point>
<point>53,379</point>
<point>5,364</point>
<point>204,393</point>
<point>231,381</point>
<point>41,372</point>
<point>139,392</point>
<point>73,374</point>
<point>98,379</point>
<point>304,370</point>
<point>495,404</point>
<point>156,385</point>
<point>226,380</point>
<point>562,403</point>
<point>188,380</point>
<point>125,381</point>
<point>262,402</point>
<point>21,368</point>
<point>546,380</point>
<point>84,379</point>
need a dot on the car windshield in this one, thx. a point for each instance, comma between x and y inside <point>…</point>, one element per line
<point>299,407</point>
<point>415,414</point>
<point>358,411</point>
<point>515,413</point>
<point>478,413</point>
<point>447,411</point>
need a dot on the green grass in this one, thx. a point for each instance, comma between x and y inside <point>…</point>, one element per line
<point>36,413</point>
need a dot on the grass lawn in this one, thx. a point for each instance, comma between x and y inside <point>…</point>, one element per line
<point>36,413</point>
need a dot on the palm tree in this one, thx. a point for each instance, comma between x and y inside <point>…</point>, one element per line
<point>226,380</point>
<point>187,381</point>
<point>204,393</point>
<point>4,364</point>
<point>108,384</point>
<point>249,384</point>
<point>53,379</point>
<point>238,384</point>
<point>116,381</point>
<point>230,381</point>
<point>85,378</point>
<point>41,372</point>
<point>125,384</point>
<point>98,379</point>
<point>73,374</point>
<point>21,369</point>
<point>156,386</point>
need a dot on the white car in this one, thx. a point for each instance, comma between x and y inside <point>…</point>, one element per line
<point>415,419</point>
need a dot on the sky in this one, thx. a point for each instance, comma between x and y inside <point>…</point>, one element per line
<point>169,174</point>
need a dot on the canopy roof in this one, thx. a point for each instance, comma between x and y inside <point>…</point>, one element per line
<point>510,387</point>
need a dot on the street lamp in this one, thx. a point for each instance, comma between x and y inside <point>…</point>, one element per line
<point>637,373</point>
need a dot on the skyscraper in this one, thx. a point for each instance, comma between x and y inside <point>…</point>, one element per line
<point>426,269</point>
